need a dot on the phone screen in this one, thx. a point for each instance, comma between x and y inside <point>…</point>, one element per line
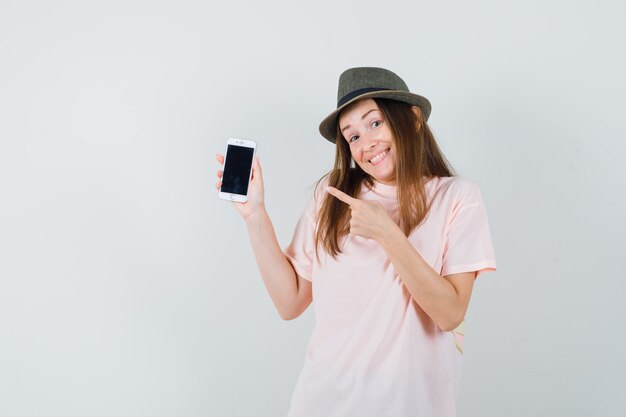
<point>237,169</point>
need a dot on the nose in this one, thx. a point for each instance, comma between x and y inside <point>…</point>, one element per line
<point>370,142</point>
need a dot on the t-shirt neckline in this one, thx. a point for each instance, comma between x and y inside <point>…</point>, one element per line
<point>385,190</point>
<point>390,191</point>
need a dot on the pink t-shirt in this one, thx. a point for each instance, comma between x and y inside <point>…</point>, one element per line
<point>373,351</point>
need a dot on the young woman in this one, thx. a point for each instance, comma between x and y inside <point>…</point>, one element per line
<point>389,248</point>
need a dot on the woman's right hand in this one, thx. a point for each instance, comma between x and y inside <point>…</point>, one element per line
<point>255,204</point>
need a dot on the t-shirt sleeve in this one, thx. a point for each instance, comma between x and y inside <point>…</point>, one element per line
<point>301,250</point>
<point>468,245</point>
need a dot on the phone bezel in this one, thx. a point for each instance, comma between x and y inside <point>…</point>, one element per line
<point>246,143</point>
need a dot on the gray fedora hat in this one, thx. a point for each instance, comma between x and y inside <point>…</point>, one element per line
<point>369,82</point>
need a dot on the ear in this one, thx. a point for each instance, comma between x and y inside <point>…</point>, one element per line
<point>418,117</point>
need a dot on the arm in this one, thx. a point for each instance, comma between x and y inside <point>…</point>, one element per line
<point>290,293</point>
<point>444,299</point>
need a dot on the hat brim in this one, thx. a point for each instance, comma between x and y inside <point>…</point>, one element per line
<point>328,127</point>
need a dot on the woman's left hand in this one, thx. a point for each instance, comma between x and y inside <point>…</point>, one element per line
<point>368,218</point>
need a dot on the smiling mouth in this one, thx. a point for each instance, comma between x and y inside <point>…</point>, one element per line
<point>376,160</point>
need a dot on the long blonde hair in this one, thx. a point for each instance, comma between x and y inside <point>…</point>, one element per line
<point>417,157</point>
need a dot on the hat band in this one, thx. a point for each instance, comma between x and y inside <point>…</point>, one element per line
<point>357,93</point>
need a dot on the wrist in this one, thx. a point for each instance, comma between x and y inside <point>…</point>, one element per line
<point>255,217</point>
<point>390,235</point>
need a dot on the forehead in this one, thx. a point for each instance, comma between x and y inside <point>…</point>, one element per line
<point>355,110</point>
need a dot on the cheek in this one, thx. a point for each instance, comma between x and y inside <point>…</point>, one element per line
<point>355,152</point>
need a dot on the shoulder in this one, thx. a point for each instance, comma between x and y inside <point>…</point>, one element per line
<point>464,185</point>
<point>316,197</point>
<point>461,191</point>
<point>319,190</point>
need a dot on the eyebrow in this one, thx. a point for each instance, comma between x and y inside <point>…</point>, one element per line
<point>362,117</point>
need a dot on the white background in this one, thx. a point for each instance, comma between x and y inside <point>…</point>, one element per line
<point>128,289</point>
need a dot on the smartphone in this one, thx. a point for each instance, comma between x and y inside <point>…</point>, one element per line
<point>237,169</point>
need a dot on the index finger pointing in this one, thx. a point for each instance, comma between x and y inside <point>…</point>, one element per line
<point>341,196</point>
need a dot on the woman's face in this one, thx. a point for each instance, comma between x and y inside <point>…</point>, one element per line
<point>371,141</point>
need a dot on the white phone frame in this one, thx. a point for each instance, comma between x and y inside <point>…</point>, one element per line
<point>246,143</point>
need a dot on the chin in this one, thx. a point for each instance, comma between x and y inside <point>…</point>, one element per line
<point>384,176</point>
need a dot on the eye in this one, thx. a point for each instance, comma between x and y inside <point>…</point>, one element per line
<point>353,138</point>
<point>376,123</point>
